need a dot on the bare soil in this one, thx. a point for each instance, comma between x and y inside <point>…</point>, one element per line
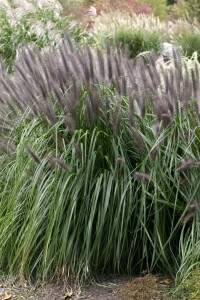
<point>116,288</point>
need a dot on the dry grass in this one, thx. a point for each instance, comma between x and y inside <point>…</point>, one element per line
<point>106,24</point>
<point>142,288</point>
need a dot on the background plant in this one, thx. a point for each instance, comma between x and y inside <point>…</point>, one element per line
<point>25,22</point>
<point>137,41</point>
<point>159,8</point>
<point>129,27</point>
<point>193,9</point>
<point>142,33</point>
<point>190,43</point>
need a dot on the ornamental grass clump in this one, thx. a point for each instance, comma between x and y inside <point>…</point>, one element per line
<point>143,32</point>
<point>91,149</point>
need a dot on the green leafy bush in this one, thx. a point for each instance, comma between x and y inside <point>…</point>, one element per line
<point>190,43</point>
<point>137,40</point>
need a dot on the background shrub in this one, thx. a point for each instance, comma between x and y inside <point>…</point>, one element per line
<point>159,8</point>
<point>133,27</point>
<point>137,41</point>
<point>193,9</point>
<point>190,43</point>
<point>178,10</point>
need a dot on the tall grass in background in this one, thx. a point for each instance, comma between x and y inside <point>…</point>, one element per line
<point>129,28</point>
<point>141,32</point>
<point>100,158</point>
<point>12,36</point>
<point>45,25</point>
<point>40,23</point>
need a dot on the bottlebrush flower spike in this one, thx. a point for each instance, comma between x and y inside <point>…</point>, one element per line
<point>188,218</point>
<point>192,207</point>
<point>33,155</point>
<point>139,176</point>
<point>184,165</point>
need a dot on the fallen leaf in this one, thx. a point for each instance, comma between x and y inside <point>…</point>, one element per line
<point>7,295</point>
<point>166,281</point>
<point>67,295</point>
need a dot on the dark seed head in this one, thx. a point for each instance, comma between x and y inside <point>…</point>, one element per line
<point>197,163</point>
<point>188,218</point>
<point>139,176</point>
<point>33,155</point>
<point>69,122</point>
<point>154,153</point>
<point>57,161</point>
<point>138,138</point>
<point>78,151</point>
<point>192,207</point>
<point>184,165</point>
<point>116,121</point>
<point>121,160</point>
<point>184,180</point>
<point>166,118</point>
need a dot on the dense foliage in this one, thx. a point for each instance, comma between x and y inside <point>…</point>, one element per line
<point>99,149</point>
<point>99,146</point>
